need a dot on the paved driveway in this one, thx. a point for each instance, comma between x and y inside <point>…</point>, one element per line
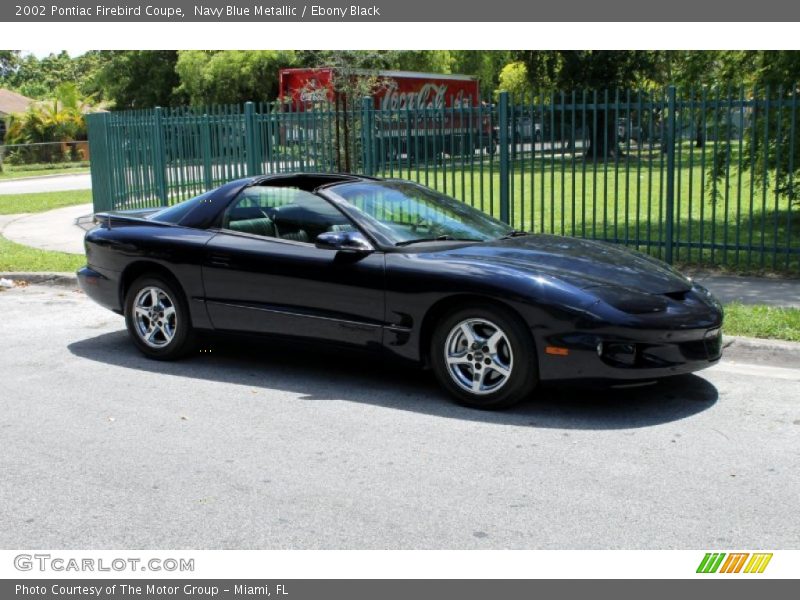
<point>260,446</point>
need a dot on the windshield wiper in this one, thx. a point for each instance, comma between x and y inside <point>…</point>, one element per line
<point>441,238</point>
<point>512,234</point>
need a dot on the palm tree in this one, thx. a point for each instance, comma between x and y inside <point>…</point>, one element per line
<point>58,120</point>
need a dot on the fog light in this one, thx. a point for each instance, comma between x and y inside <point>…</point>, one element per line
<point>620,353</point>
<point>600,349</point>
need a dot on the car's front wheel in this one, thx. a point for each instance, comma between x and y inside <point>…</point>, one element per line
<point>484,356</point>
<point>157,318</point>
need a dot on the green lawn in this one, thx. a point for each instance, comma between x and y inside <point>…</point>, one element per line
<point>37,170</point>
<point>16,257</point>
<point>624,201</point>
<point>40,202</point>
<point>762,322</point>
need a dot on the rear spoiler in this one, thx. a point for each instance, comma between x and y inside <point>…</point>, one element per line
<point>128,218</point>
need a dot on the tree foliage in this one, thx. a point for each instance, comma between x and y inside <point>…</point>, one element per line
<point>217,77</point>
<point>514,80</point>
<point>138,79</point>
<point>38,78</point>
<point>144,79</point>
<point>58,119</point>
<point>486,66</point>
<point>8,61</point>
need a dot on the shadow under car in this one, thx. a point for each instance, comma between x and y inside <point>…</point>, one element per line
<point>324,374</point>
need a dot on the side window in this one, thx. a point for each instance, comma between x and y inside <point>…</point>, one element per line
<point>283,213</point>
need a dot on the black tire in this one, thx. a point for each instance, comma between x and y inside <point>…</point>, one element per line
<point>163,346</point>
<point>517,350</point>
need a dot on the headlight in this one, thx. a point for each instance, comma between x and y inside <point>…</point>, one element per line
<point>706,295</point>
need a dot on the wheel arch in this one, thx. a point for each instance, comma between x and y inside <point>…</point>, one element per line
<point>444,305</point>
<point>141,267</point>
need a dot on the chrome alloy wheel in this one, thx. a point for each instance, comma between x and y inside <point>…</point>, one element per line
<point>154,317</point>
<point>478,356</point>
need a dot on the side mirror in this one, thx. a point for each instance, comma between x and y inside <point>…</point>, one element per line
<point>344,241</point>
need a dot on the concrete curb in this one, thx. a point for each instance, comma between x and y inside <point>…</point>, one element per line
<point>44,278</point>
<point>773,353</point>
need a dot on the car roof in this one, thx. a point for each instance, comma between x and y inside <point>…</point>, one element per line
<point>310,181</point>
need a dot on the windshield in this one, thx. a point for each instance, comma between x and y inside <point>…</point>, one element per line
<point>407,212</point>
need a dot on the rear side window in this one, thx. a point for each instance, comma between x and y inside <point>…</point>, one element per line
<point>283,213</point>
<point>175,214</point>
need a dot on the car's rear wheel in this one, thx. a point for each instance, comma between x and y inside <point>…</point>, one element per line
<point>484,356</point>
<point>157,318</point>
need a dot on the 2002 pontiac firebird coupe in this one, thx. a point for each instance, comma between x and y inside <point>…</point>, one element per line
<point>394,266</point>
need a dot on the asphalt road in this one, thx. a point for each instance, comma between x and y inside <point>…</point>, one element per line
<point>252,446</point>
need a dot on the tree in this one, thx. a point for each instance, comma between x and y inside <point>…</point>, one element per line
<point>752,73</point>
<point>486,66</point>
<point>543,68</point>
<point>39,78</point>
<point>138,79</point>
<point>58,119</point>
<point>356,76</point>
<point>231,77</point>
<point>514,80</point>
<point>430,61</point>
<point>426,61</point>
<point>8,62</point>
<point>777,74</point>
<point>591,70</point>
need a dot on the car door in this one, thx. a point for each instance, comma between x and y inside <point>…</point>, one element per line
<point>263,274</point>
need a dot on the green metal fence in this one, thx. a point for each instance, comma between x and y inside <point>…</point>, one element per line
<point>698,177</point>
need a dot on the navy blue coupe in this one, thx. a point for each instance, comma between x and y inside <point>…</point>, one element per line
<point>394,267</point>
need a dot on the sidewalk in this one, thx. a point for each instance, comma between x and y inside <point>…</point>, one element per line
<point>61,230</point>
<point>55,230</point>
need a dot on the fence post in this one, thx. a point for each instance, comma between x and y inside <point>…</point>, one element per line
<point>160,156</point>
<point>100,168</point>
<point>367,131</point>
<point>250,139</point>
<point>208,165</point>
<point>503,141</point>
<point>669,226</point>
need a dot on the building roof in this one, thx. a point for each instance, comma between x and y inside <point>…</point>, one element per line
<point>12,102</point>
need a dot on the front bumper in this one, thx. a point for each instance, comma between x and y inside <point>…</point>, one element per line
<point>629,356</point>
<point>100,288</point>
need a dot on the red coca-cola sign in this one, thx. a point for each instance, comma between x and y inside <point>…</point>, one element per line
<point>395,90</point>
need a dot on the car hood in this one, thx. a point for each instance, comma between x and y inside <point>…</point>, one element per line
<point>578,262</point>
